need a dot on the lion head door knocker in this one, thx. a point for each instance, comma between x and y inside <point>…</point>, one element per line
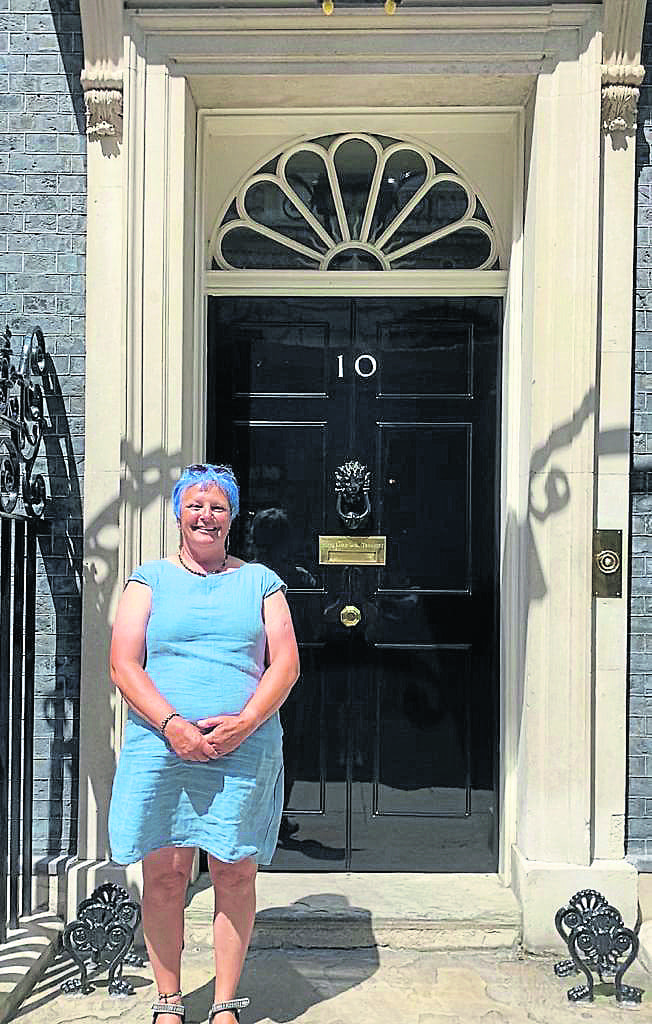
<point>352,484</point>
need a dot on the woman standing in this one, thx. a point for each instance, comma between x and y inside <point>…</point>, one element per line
<point>204,654</point>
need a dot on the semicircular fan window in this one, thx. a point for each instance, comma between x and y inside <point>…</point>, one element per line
<point>354,202</point>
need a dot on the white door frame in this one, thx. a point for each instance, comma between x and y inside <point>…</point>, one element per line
<point>560,831</point>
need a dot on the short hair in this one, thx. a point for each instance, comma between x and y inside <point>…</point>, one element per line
<point>207,475</point>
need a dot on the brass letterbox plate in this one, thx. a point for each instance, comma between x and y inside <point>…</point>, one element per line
<point>352,550</point>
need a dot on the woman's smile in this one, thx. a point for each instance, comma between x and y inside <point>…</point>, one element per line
<point>205,516</point>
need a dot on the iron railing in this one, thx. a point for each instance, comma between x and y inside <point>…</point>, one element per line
<point>21,423</point>
<point>17,647</point>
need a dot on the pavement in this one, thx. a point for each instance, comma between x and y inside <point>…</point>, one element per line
<point>351,949</point>
<point>353,986</point>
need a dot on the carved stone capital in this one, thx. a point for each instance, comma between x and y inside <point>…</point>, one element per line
<point>103,110</point>
<point>620,95</point>
<point>101,79</point>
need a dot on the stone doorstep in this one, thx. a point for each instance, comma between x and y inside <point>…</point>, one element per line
<point>24,957</point>
<point>355,911</point>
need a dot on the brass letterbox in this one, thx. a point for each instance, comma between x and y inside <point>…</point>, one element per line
<point>352,550</point>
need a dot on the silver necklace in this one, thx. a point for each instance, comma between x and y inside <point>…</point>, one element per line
<point>208,572</point>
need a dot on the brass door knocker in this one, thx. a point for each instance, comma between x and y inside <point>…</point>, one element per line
<point>352,484</point>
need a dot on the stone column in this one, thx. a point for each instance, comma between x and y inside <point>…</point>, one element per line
<point>142,392</point>
<point>555,851</point>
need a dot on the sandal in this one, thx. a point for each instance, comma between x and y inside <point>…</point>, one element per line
<point>234,1005</point>
<point>164,1006</point>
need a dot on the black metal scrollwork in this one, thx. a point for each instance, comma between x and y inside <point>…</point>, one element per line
<point>597,941</point>
<point>21,411</point>
<point>352,485</point>
<point>104,935</point>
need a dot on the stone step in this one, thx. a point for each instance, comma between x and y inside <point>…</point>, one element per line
<point>353,911</point>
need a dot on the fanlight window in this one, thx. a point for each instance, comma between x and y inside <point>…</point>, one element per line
<point>354,202</point>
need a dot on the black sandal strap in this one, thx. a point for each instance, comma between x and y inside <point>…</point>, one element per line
<point>234,1005</point>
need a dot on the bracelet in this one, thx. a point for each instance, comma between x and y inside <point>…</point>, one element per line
<point>166,721</point>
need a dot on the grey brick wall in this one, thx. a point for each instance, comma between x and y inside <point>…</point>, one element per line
<point>42,246</point>
<point>639,805</point>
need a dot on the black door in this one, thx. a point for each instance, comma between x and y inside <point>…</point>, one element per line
<point>391,732</point>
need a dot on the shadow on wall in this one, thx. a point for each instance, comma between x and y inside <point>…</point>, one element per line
<point>68,28</point>
<point>549,492</point>
<point>145,480</point>
<point>60,543</point>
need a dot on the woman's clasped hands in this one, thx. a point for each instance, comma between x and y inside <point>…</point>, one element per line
<point>192,742</point>
<point>226,731</point>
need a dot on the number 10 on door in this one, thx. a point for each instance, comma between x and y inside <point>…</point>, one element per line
<point>365,365</point>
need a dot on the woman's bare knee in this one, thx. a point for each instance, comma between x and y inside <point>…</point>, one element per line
<point>241,874</point>
<point>166,874</point>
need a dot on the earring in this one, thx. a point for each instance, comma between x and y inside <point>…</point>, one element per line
<point>226,544</point>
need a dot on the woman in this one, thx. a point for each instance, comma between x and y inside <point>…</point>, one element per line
<point>204,653</point>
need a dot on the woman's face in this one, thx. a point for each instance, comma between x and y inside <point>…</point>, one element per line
<point>205,516</point>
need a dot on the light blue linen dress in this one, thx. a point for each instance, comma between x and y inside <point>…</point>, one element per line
<point>205,653</point>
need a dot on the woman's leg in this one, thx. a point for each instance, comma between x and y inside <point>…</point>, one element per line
<point>165,880</point>
<point>235,909</point>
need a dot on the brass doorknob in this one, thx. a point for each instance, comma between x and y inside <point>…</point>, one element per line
<point>350,615</point>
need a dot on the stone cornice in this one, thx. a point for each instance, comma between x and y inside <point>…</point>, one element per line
<point>622,71</point>
<point>101,77</point>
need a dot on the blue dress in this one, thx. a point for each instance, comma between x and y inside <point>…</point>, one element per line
<point>205,653</point>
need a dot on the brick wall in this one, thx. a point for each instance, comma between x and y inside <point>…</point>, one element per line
<point>639,808</point>
<point>42,245</point>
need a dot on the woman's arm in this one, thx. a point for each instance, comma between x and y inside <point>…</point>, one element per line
<point>127,673</point>
<point>282,672</point>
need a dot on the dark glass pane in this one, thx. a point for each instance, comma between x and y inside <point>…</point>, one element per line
<point>231,213</point>
<point>246,249</point>
<point>444,204</point>
<point>426,358</point>
<point>306,173</point>
<point>278,358</point>
<point>403,175</point>
<point>355,163</point>
<point>267,204</point>
<point>425,480</point>
<point>465,249</point>
<point>355,259</point>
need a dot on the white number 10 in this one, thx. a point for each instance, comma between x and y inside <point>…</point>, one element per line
<point>365,360</point>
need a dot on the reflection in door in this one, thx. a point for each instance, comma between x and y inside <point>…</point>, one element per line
<point>391,731</point>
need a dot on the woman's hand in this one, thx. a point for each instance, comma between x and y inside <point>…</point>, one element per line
<point>188,742</point>
<point>226,732</point>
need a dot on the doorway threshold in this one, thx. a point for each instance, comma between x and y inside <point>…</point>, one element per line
<point>352,911</point>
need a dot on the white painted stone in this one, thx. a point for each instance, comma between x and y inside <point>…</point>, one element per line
<point>543,887</point>
<point>562,789</point>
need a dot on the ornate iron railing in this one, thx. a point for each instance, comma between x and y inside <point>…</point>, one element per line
<point>21,428</point>
<point>21,414</point>
<point>17,642</point>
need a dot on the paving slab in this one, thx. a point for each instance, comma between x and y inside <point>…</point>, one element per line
<point>365,986</point>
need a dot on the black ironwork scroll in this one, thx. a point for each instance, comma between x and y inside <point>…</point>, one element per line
<point>103,935</point>
<point>21,412</point>
<point>597,942</point>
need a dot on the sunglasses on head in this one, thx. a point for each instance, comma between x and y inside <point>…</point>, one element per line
<point>201,467</point>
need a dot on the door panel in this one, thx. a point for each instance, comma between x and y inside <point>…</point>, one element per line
<point>390,734</point>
